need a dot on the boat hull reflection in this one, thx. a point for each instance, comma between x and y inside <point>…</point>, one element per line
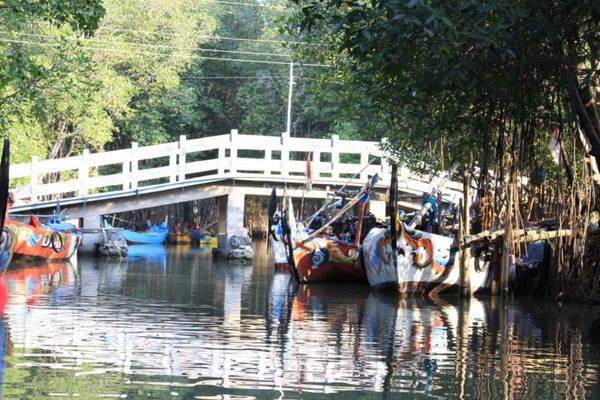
<point>147,255</point>
<point>42,283</point>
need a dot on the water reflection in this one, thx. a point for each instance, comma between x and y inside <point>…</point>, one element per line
<point>182,324</point>
<point>41,283</point>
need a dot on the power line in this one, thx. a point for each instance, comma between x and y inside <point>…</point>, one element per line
<point>216,37</point>
<point>233,3</point>
<point>162,46</point>
<point>202,78</point>
<point>113,50</point>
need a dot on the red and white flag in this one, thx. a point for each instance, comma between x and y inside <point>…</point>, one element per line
<point>554,145</point>
<point>308,184</point>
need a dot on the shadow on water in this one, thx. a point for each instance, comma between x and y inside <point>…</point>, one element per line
<point>177,323</point>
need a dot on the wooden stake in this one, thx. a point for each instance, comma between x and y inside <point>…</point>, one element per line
<point>465,254</point>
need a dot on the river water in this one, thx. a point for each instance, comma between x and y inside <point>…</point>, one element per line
<point>174,324</point>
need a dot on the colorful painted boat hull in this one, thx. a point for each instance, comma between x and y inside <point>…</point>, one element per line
<point>8,249</point>
<point>146,237</point>
<point>323,259</point>
<point>423,263</point>
<point>37,242</point>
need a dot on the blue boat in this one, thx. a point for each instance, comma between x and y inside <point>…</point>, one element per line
<point>146,237</point>
<point>157,234</point>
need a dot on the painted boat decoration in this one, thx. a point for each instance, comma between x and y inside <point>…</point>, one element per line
<point>414,261</point>
<point>34,241</point>
<point>317,256</point>
<point>326,259</point>
<point>421,262</point>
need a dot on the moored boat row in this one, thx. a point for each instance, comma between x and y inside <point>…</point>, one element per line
<point>392,255</point>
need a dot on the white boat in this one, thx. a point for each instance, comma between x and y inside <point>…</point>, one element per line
<point>419,262</point>
<point>414,261</point>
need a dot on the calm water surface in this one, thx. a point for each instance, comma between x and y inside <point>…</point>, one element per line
<point>174,324</point>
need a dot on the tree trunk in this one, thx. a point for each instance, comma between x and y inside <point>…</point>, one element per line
<point>584,105</point>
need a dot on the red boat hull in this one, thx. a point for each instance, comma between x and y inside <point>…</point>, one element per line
<point>39,243</point>
<point>323,259</point>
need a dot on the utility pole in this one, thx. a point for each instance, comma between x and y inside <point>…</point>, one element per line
<point>289,110</point>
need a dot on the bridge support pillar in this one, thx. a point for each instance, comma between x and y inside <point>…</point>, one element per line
<point>91,221</point>
<point>235,212</point>
<point>233,243</point>
<point>377,208</point>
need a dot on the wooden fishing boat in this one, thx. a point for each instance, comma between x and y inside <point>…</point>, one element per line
<point>34,241</point>
<point>144,237</point>
<point>326,259</point>
<point>413,261</point>
<point>318,256</point>
<point>201,237</point>
<point>419,262</point>
<point>180,238</point>
<point>275,232</point>
<point>208,240</point>
<point>188,238</point>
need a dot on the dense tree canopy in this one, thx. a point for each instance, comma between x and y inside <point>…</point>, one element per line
<point>465,76</point>
<point>100,75</point>
<point>35,70</point>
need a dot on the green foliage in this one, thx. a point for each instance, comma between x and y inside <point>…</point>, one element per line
<point>150,74</point>
<point>460,76</point>
<point>149,48</point>
<point>41,68</point>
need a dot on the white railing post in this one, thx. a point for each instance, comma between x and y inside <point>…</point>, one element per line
<point>173,170</point>
<point>335,157</point>
<point>233,151</point>
<point>285,154</point>
<point>130,167</point>
<point>182,160</point>
<point>228,148</point>
<point>222,158</point>
<point>268,160</point>
<point>34,179</point>
<point>364,160</point>
<point>84,173</point>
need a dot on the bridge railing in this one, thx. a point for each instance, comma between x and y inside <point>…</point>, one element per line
<point>220,157</point>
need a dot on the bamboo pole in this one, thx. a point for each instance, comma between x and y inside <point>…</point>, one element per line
<point>465,252</point>
<point>506,243</point>
<point>361,216</point>
<point>542,235</point>
<point>520,235</point>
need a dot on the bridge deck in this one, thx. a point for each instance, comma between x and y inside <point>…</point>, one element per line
<point>94,184</point>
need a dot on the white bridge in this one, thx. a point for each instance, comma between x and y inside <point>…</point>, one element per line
<point>229,167</point>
